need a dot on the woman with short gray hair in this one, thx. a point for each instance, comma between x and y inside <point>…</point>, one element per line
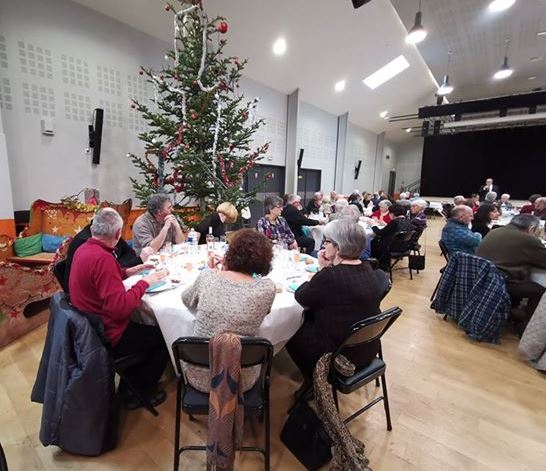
<point>274,226</point>
<point>344,291</point>
<point>383,214</point>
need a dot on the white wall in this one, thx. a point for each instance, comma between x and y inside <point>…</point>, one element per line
<point>361,145</point>
<point>390,150</point>
<point>45,43</point>
<point>317,134</point>
<point>410,158</point>
<point>6,203</point>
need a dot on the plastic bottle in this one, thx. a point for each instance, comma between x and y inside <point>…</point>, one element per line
<point>193,239</point>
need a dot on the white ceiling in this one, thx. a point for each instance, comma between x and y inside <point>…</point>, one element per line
<point>477,39</point>
<point>327,41</point>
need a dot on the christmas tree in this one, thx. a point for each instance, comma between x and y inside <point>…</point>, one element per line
<point>198,143</point>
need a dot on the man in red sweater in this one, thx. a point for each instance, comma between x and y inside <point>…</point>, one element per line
<point>96,287</point>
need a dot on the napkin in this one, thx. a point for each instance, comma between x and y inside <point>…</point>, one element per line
<point>153,287</point>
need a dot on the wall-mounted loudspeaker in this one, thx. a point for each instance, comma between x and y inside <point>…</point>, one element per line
<point>300,159</point>
<point>357,169</point>
<point>95,134</point>
<point>359,3</point>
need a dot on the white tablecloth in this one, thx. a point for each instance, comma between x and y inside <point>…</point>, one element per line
<point>176,320</point>
<point>436,206</point>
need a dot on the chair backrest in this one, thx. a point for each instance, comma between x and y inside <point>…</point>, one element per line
<point>401,242</point>
<point>3,461</point>
<point>59,270</point>
<point>370,329</point>
<point>443,248</point>
<point>195,351</point>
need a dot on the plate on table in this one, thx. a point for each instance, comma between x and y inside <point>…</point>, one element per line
<point>163,286</point>
<point>292,283</point>
<point>312,268</point>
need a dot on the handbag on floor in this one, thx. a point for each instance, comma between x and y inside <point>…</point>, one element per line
<point>304,435</point>
<point>417,261</point>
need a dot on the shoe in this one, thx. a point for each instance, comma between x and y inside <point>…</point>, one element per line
<point>132,402</point>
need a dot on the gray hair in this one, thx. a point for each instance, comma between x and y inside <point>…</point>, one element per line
<point>505,195</point>
<point>106,223</point>
<point>542,200</point>
<point>351,212</point>
<point>271,202</point>
<point>293,198</point>
<point>458,199</point>
<point>155,203</point>
<point>349,237</point>
<point>491,196</point>
<point>421,203</point>
<point>385,203</point>
<point>525,222</point>
<point>459,210</point>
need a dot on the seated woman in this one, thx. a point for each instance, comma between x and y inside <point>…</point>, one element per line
<point>382,244</point>
<point>383,214</point>
<point>356,199</point>
<point>229,298</point>
<point>343,292</point>
<point>225,213</point>
<point>273,225</point>
<point>483,217</point>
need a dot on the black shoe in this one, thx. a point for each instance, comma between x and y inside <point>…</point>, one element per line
<point>132,402</point>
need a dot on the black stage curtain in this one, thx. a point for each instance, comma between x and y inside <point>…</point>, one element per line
<point>459,163</point>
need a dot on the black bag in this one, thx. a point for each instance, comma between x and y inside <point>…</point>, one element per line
<point>416,262</point>
<point>304,435</point>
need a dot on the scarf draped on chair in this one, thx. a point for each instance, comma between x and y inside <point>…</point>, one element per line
<point>348,453</point>
<point>226,409</point>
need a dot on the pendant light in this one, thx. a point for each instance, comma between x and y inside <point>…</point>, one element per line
<point>446,88</point>
<point>417,33</point>
<point>505,71</point>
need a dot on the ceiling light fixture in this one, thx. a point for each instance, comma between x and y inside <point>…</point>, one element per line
<point>408,130</point>
<point>505,71</point>
<point>339,86</point>
<point>541,33</point>
<point>417,33</point>
<point>384,114</point>
<point>500,5</point>
<point>387,72</point>
<point>532,77</point>
<point>279,47</point>
<point>535,59</point>
<point>446,88</point>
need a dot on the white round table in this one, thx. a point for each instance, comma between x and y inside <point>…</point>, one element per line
<point>176,320</point>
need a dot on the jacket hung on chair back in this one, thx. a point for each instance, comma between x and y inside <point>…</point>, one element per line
<point>75,383</point>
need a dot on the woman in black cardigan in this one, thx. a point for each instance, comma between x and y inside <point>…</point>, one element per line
<point>343,292</point>
<point>483,217</point>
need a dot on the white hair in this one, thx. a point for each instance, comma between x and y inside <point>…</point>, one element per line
<point>422,203</point>
<point>293,198</point>
<point>106,223</point>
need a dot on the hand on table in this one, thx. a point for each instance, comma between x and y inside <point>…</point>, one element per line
<point>215,262</point>
<point>293,246</point>
<point>138,268</point>
<point>146,253</point>
<point>155,277</point>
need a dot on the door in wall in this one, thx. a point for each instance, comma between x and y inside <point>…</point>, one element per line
<point>392,180</point>
<point>274,185</point>
<point>308,183</point>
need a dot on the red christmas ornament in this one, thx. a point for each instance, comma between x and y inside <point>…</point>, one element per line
<point>177,77</point>
<point>167,7</point>
<point>141,72</point>
<point>222,27</point>
<point>194,116</point>
<point>187,147</point>
<point>194,83</point>
<point>161,77</point>
<point>245,114</point>
<point>133,105</point>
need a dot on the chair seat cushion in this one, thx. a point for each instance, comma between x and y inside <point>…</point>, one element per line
<point>347,384</point>
<point>195,401</point>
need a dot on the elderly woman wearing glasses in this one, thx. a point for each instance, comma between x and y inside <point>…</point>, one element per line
<point>343,292</point>
<point>273,225</point>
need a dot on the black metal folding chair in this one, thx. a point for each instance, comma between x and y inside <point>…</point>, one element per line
<point>195,351</point>
<point>400,248</point>
<point>445,254</point>
<point>3,461</point>
<point>363,332</point>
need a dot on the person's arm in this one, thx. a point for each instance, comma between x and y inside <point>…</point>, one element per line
<point>178,233</point>
<point>260,226</point>
<point>287,234</point>
<point>471,239</point>
<point>116,300</point>
<point>311,294</point>
<point>388,230</point>
<point>127,257</point>
<point>145,237</point>
<point>299,219</point>
<point>535,252</point>
<point>190,296</point>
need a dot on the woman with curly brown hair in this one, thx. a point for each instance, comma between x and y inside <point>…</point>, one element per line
<point>231,297</point>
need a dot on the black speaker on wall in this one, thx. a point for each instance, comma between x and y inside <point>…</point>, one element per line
<point>357,169</point>
<point>300,159</point>
<point>359,3</point>
<point>95,134</point>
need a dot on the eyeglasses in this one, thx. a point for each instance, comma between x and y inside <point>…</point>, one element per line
<point>328,241</point>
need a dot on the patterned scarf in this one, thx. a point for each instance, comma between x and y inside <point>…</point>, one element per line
<point>226,409</point>
<point>348,453</point>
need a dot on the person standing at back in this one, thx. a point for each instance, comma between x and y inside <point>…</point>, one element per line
<point>488,187</point>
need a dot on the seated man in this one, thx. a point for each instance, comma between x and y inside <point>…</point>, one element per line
<point>529,207</point>
<point>540,208</point>
<point>124,254</point>
<point>315,205</point>
<point>157,226</point>
<point>505,204</point>
<point>96,287</point>
<point>296,219</point>
<point>456,234</point>
<point>515,250</point>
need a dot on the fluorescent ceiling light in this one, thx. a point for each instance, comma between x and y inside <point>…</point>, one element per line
<point>408,130</point>
<point>541,33</point>
<point>279,47</point>
<point>387,72</point>
<point>340,86</point>
<point>535,59</point>
<point>384,114</point>
<point>500,5</point>
<point>532,77</point>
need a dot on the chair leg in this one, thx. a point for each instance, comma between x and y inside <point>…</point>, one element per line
<point>410,274</point>
<point>435,291</point>
<point>386,402</point>
<point>145,402</point>
<point>267,456</point>
<point>177,427</point>
<point>376,382</point>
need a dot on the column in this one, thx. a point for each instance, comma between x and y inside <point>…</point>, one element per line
<point>291,166</point>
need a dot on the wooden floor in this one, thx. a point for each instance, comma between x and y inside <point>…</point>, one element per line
<point>456,404</point>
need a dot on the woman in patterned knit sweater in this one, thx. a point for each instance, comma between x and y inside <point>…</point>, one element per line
<point>229,298</point>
